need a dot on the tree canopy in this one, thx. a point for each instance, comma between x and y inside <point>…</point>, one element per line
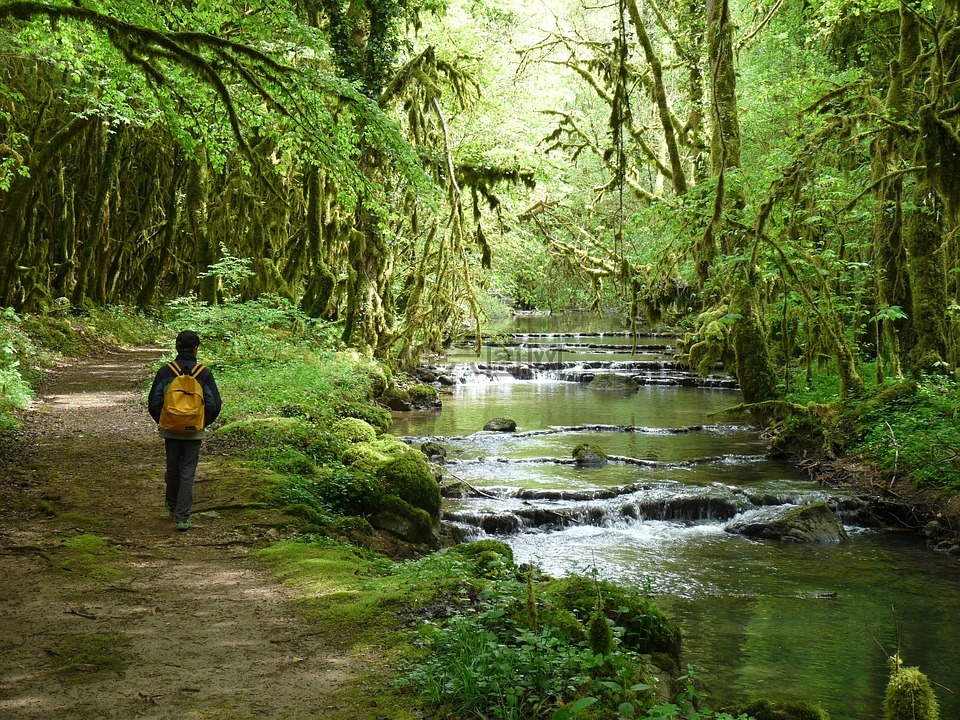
<point>782,172</point>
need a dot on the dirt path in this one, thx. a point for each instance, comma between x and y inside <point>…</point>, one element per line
<point>159,624</point>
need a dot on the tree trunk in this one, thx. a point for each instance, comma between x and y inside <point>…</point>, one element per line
<point>928,278</point>
<point>754,368</point>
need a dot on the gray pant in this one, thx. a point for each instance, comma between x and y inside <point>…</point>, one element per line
<point>182,458</point>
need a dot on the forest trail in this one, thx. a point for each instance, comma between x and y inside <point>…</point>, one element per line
<point>161,624</point>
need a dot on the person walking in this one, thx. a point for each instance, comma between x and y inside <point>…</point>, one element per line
<point>182,433</point>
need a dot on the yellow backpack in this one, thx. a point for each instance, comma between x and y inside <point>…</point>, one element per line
<point>182,411</point>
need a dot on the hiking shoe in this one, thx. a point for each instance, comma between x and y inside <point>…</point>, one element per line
<point>184,525</point>
<point>170,509</point>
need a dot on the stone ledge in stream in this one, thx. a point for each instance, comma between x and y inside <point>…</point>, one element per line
<point>815,523</point>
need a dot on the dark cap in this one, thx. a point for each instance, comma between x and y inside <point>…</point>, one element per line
<point>188,340</point>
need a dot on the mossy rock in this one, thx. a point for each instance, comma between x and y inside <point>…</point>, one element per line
<point>407,522</point>
<point>364,456</point>
<point>646,628</point>
<point>424,397</point>
<point>353,430</point>
<point>368,411</point>
<point>409,478</point>
<point>792,710</point>
<point>393,447</point>
<point>501,425</point>
<point>814,523</point>
<point>473,549</point>
<point>612,381</point>
<point>350,491</point>
<point>589,456</point>
<point>434,451</point>
<point>372,456</point>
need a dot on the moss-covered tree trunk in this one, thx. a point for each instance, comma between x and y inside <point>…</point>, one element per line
<point>928,278</point>
<point>198,188</point>
<point>754,367</point>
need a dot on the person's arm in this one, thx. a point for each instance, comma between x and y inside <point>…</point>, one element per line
<point>155,398</point>
<point>212,402</point>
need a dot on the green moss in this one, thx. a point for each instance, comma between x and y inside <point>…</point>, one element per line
<point>763,709</point>
<point>473,549</point>
<point>423,392</point>
<point>259,434</point>
<point>80,520</point>
<point>409,478</point>
<point>909,694</point>
<point>364,456</point>
<point>393,446</point>
<point>353,430</point>
<point>91,557</point>
<point>293,462</point>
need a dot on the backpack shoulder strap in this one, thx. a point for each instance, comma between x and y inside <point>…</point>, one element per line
<point>197,369</point>
<point>175,367</point>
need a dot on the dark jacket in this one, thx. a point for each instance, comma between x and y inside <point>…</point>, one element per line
<point>212,403</point>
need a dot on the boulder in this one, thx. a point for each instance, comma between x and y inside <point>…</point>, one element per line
<point>589,456</point>
<point>612,381</point>
<point>815,523</point>
<point>434,451</point>
<point>501,425</point>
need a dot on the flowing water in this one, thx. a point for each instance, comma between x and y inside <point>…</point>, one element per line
<point>760,618</point>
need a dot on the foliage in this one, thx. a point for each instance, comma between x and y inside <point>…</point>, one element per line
<point>15,393</point>
<point>914,433</point>
<point>643,627</point>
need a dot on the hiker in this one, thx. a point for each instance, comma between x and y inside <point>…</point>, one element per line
<point>181,416</point>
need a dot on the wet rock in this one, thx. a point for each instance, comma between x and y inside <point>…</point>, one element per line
<point>456,490</point>
<point>434,451</point>
<point>446,380</point>
<point>589,456</point>
<point>405,526</point>
<point>612,381</point>
<point>399,404</point>
<point>815,523</point>
<point>427,376</point>
<point>501,425</point>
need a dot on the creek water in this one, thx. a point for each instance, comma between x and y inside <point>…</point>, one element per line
<point>760,618</point>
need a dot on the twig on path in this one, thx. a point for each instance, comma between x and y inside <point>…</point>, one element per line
<point>81,613</point>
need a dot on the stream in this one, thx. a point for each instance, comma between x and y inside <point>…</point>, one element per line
<point>760,618</point>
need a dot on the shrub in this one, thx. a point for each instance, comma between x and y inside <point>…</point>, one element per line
<point>645,627</point>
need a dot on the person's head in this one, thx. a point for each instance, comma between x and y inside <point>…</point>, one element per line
<point>188,341</point>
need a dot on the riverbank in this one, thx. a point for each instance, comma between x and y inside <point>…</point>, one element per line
<point>898,506</point>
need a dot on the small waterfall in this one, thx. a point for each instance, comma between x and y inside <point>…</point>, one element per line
<point>545,510</point>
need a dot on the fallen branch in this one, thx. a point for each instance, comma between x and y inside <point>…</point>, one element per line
<point>474,489</point>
